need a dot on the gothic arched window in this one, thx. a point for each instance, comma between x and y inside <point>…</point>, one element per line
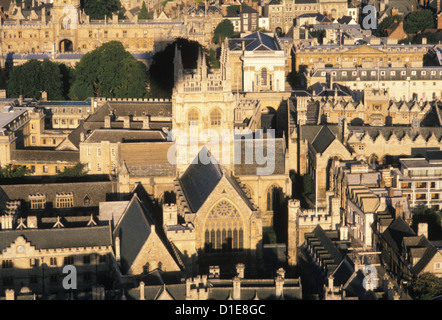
<point>264,77</point>
<point>223,228</point>
<point>215,117</point>
<point>193,118</point>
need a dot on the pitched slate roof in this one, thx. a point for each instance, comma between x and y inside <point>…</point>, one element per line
<point>255,41</point>
<point>96,192</point>
<point>323,139</point>
<point>125,135</point>
<point>59,238</point>
<point>199,180</point>
<point>133,229</point>
<point>45,156</point>
<point>395,232</point>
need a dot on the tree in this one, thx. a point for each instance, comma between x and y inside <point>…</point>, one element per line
<point>109,71</point>
<point>318,34</point>
<point>33,77</point>
<point>144,14</point>
<point>418,21</point>
<point>161,71</point>
<point>77,171</point>
<point>13,171</point>
<point>426,286</point>
<point>235,9</point>
<point>223,30</point>
<point>98,9</point>
<point>384,24</point>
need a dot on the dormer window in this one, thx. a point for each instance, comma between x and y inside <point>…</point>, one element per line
<point>64,200</point>
<point>38,201</point>
<point>86,201</point>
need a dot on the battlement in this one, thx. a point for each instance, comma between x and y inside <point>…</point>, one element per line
<point>134,99</point>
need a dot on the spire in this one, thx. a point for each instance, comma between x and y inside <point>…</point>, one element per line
<point>204,66</point>
<point>178,63</point>
<point>124,170</point>
<point>198,62</point>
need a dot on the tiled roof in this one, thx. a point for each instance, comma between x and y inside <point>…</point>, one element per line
<point>199,180</point>
<point>59,238</point>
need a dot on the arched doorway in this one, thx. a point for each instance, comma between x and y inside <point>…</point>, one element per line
<point>65,46</point>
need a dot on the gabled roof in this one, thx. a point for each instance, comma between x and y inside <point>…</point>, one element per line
<point>323,139</point>
<point>199,180</point>
<point>395,233</point>
<point>59,238</point>
<point>255,41</point>
<point>248,9</point>
<point>133,229</point>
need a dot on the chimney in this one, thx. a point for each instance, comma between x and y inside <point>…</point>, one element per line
<point>343,233</point>
<point>391,193</point>
<point>422,229</point>
<point>81,136</point>
<point>188,287</point>
<point>107,122</point>
<point>117,249</point>
<point>142,291</point>
<point>424,40</point>
<point>279,286</point>
<point>20,98</point>
<point>31,222</point>
<point>126,121</point>
<point>240,270</point>
<point>44,96</point>
<point>331,283</point>
<point>146,122</point>
<point>236,288</point>
<point>10,293</point>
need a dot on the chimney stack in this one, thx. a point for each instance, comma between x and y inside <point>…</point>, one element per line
<point>279,286</point>
<point>142,291</point>
<point>126,121</point>
<point>422,229</point>
<point>240,270</point>
<point>236,288</point>
<point>117,249</point>
<point>146,122</point>
<point>10,294</point>
<point>107,122</point>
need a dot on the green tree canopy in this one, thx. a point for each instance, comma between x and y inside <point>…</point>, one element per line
<point>418,21</point>
<point>234,9</point>
<point>385,23</point>
<point>33,77</point>
<point>161,71</point>
<point>426,286</point>
<point>13,171</point>
<point>77,171</point>
<point>98,9</point>
<point>109,71</point>
<point>143,14</point>
<point>223,30</point>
